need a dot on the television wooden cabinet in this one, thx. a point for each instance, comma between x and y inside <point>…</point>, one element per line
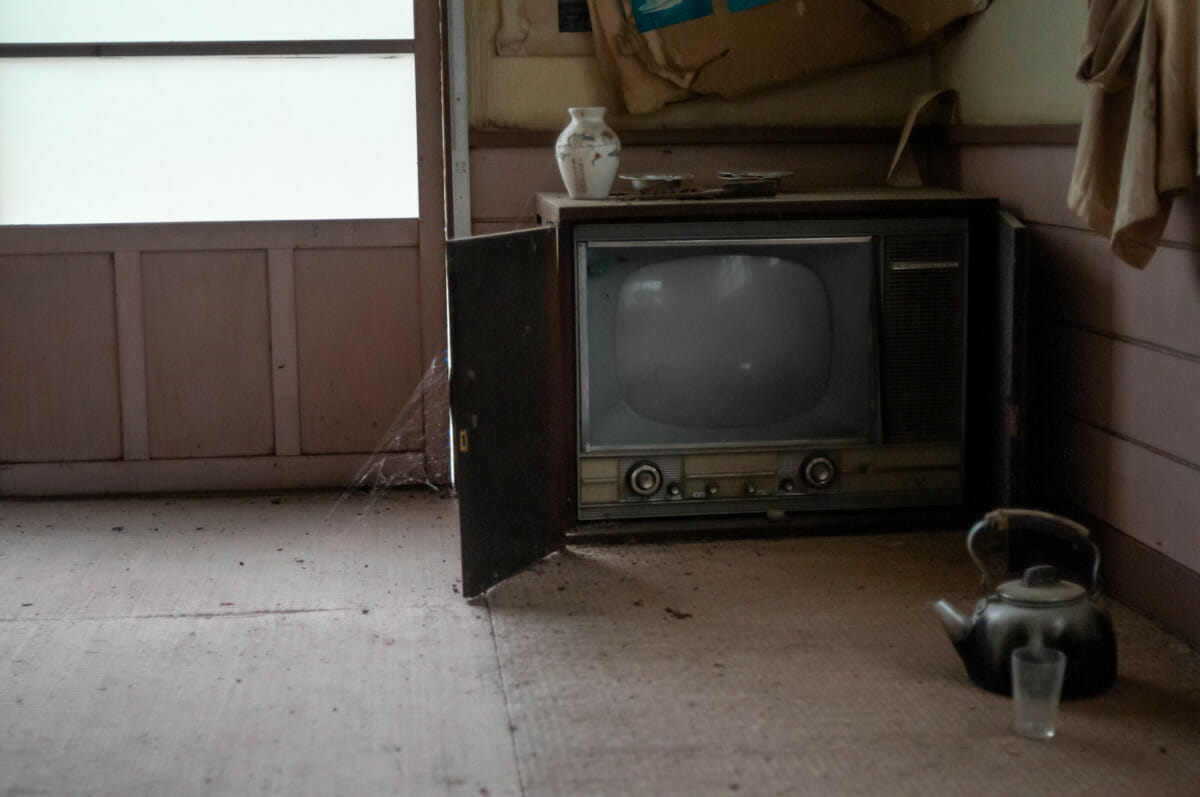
<point>526,473</point>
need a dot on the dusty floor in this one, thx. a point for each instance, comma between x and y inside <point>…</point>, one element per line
<point>316,644</point>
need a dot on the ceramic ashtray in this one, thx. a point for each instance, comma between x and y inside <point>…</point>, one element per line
<point>654,183</point>
<point>751,183</point>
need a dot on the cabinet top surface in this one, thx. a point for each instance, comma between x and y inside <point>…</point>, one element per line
<point>554,207</point>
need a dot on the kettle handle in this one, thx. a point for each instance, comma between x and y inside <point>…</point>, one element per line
<point>1036,520</point>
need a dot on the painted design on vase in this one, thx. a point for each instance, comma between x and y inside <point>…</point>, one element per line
<point>588,154</point>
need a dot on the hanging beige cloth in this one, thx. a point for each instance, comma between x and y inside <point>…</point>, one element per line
<point>1138,138</point>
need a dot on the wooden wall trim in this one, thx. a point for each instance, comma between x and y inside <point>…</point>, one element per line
<point>131,355</point>
<point>836,134</point>
<point>215,474</point>
<point>730,136</point>
<point>429,19</point>
<point>284,47</point>
<point>1014,135</point>
<point>208,236</point>
<point>285,357</point>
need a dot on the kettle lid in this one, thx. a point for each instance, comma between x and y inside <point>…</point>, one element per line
<point>1040,586</point>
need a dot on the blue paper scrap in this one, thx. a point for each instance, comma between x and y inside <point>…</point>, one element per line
<point>655,14</point>
<point>742,5</point>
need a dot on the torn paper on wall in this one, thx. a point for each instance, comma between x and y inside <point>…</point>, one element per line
<point>663,51</point>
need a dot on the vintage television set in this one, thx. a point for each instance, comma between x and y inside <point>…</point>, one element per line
<point>675,365</point>
<point>772,366</point>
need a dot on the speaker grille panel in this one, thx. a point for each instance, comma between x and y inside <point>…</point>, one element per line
<point>923,339</point>
<point>909,248</point>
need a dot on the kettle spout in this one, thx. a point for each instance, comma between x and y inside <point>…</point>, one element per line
<point>956,625</point>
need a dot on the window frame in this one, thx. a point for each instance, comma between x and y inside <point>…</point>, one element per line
<point>192,48</point>
<point>426,231</point>
<point>427,72</point>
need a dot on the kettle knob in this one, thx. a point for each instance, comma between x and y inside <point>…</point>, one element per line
<point>1040,576</point>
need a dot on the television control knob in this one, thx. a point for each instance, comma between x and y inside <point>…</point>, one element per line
<point>645,478</point>
<point>787,485</point>
<point>673,490</point>
<point>751,488</point>
<point>711,489</point>
<point>819,472</point>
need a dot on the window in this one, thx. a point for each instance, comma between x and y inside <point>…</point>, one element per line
<point>175,110</point>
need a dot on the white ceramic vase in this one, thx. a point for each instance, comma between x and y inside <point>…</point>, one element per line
<point>588,154</point>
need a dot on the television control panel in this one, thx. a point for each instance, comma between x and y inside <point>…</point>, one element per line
<point>642,485</point>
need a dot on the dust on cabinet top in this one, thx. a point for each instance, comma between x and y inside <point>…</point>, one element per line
<point>555,208</point>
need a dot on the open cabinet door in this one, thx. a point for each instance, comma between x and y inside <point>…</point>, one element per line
<point>507,401</point>
<point>1012,281</point>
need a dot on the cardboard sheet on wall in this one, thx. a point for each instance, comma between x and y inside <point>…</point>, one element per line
<point>663,51</point>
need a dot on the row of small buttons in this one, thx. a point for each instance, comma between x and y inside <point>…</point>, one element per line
<point>645,479</point>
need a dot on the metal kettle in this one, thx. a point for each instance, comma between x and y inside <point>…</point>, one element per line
<point>1039,608</point>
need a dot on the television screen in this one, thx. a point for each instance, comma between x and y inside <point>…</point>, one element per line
<point>727,341</point>
<point>736,340</point>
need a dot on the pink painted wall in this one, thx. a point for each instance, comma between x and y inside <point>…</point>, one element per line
<point>178,357</point>
<point>1115,433</point>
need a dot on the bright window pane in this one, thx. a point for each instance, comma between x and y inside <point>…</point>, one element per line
<point>87,140</point>
<point>202,20</point>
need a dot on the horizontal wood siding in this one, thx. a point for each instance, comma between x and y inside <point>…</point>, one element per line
<point>142,358</point>
<point>1153,498</point>
<point>1115,429</point>
<point>217,474</point>
<point>1143,394</point>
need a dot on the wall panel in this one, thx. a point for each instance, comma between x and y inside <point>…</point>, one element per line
<point>359,349</point>
<point>58,358</point>
<point>1034,180</point>
<point>1149,497</point>
<point>208,354</point>
<point>1082,282</point>
<point>152,357</point>
<point>1137,393</point>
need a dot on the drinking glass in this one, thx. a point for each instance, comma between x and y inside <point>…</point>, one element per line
<point>1037,678</point>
